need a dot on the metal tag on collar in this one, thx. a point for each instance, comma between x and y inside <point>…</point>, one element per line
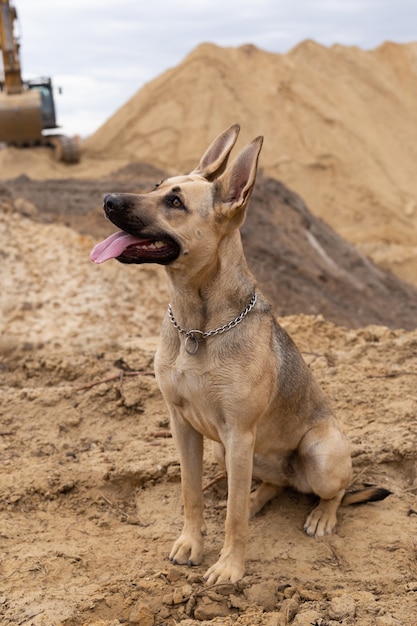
<point>191,341</point>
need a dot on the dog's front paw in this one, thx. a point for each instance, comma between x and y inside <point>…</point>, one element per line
<point>320,522</point>
<point>187,550</point>
<point>226,570</point>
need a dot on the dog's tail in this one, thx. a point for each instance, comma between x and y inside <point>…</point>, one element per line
<point>369,494</point>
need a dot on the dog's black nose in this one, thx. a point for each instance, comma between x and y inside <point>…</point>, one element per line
<point>112,202</point>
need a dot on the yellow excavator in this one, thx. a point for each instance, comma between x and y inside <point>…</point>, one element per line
<point>27,108</point>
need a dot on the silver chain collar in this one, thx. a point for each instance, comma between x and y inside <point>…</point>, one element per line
<point>193,337</point>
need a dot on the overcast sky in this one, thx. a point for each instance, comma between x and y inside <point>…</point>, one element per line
<point>102,51</point>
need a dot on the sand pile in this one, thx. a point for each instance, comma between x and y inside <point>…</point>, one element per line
<point>340,128</point>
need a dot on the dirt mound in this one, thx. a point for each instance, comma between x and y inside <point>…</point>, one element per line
<point>340,128</point>
<point>301,263</point>
<point>306,267</point>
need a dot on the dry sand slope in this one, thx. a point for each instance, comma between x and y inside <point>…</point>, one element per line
<point>90,499</point>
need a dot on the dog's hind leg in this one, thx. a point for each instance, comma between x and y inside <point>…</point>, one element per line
<point>322,519</point>
<point>263,494</point>
<point>188,549</point>
<point>324,467</point>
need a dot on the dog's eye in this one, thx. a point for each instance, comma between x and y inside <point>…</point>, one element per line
<point>174,202</point>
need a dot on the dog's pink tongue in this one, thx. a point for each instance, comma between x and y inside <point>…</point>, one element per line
<point>112,247</point>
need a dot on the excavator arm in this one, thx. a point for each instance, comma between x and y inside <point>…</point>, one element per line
<point>9,45</point>
<point>20,109</point>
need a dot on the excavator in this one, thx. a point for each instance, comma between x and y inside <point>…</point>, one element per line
<point>27,108</point>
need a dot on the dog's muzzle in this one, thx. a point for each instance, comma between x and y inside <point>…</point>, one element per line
<point>138,241</point>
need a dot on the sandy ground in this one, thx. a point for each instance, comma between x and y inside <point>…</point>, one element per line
<point>90,501</point>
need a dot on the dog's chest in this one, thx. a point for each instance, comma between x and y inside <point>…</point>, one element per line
<point>189,388</point>
<point>184,381</point>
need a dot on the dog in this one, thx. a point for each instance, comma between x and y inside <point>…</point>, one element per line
<point>226,368</point>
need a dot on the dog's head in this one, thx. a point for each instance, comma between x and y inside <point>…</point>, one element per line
<point>184,215</point>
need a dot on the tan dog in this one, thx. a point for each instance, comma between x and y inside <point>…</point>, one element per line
<point>226,368</point>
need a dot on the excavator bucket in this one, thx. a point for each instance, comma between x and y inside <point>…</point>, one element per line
<point>20,117</point>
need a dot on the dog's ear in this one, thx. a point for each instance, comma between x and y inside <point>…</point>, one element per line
<point>214,160</point>
<point>234,187</point>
